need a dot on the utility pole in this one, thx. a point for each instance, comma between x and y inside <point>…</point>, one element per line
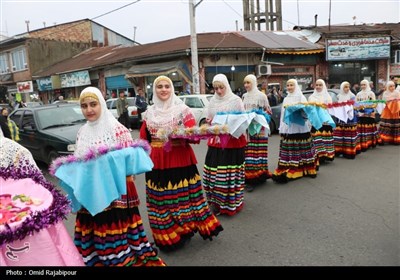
<point>193,45</point>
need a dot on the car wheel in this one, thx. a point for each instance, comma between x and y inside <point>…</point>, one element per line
<point>52,156</point>
<point>203,121</point>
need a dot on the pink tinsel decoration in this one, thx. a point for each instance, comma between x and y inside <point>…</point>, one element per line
<point>96,152</point>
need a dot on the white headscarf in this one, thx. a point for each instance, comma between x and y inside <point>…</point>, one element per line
<point>320,96</point>
<point>105,131</point>
<point>388,94</point>
<point>294,97</point>
<point>167,113</point>
<point>228,103</point>
<point>366,94</point>
<point>345,96</point>
<point>254,99</point>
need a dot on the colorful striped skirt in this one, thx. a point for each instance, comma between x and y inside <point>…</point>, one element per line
<point>346,140</point>
<point>297,158</point>
<point>256,159</point>
<point>368,133</point>
<point>323,143</point>
<point>177,207</point>
<point>116,236</point>
<point>224,179</point>
<point>389,130</point>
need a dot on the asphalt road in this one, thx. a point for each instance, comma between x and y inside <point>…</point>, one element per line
<point>347,216</point>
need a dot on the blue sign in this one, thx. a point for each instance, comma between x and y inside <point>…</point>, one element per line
<point>358,49</point>
<point>44,84</point>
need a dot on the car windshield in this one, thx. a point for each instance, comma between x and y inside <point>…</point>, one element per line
<point>60,116</point>
<point>131,101</point>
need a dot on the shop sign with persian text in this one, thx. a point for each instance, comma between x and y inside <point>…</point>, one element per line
<point>358,49</point>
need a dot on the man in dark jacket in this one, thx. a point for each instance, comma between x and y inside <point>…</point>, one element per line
<point>140,103</point>
<point>4,125</point>
<point>122,110</point>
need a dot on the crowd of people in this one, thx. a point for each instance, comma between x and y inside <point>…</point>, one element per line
<point>99,177</point>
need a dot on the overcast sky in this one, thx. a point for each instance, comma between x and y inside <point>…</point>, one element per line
<point>167,19</point>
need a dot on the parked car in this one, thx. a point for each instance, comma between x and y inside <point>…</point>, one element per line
<point>132,110</point>
<point>48,131</point>
<point>30,104</point>
<point>275,118</point>
<point>197,102</point>
<point>75,101</point>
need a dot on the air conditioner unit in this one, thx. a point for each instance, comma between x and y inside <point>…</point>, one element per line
<point>263,69</point>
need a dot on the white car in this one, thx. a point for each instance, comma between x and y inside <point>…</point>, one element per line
<point>197,102</point>
<point>132,110</point>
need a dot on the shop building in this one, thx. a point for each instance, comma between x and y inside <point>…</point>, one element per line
<point>23,55</point>
<point>357,52</point>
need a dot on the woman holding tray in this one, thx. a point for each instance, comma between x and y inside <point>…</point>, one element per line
<point>176,203</point>
<point>99,179</point>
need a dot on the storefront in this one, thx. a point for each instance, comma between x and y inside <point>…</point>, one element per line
<point>118,83</point>
<point>145,74</point>
<point>234,73</point>
<point>354,60</point>
<point>49,88</point>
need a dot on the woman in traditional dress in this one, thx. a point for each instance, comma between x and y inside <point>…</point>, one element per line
<point>297,156</point>
<point>99,178</point>
<point>323,137</point>
<point>345,134</point>
<point>224,173</point>
<point>176,203</point>
<point>366,124</point>
<point>389,125</point>
<point>256,151</point>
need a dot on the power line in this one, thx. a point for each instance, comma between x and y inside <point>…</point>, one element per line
<point>79,22</point>
<point>116,9</point>
<point>232,8</point>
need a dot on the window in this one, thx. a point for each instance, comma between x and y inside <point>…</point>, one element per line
<point>17,118</point>
<point>108,104</point>
<point>396,57</point>
<point>194,102</point>
<point>28,121</point>
<point>132,101</point>
<point>4,64</point>
<point>18,60</point>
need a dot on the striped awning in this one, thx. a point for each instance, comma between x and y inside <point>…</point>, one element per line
<point>297,52</point>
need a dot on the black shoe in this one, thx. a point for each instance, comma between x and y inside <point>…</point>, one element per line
<point>153,246</point>
<point>249,188</point>
<point>215,209</point>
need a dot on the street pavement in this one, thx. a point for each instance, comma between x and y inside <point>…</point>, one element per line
<point>347,216</point>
